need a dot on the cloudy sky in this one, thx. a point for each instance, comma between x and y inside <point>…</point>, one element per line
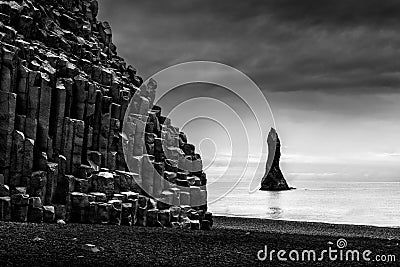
<point>330,69</point>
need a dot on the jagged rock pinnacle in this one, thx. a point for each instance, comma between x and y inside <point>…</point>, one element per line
<point>273,179</point>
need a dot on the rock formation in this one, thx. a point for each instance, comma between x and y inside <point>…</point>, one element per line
<point>273,179</point>
<point>64,94</point>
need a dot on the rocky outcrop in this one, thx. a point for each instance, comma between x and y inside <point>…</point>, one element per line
<point>64,97</point>
<point>273,179</point>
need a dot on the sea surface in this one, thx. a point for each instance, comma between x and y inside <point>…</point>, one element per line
<point>316,199</point>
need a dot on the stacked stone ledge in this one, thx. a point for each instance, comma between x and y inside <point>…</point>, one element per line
<point>64,95</point>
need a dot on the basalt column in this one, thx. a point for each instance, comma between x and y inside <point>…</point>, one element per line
<point>64,94</point>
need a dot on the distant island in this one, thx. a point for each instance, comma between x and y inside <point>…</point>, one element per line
<point>273,179</point>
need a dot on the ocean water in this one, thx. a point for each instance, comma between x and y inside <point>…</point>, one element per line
<point>316,200</point>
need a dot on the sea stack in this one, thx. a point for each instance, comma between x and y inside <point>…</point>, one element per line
<point>273,179</point>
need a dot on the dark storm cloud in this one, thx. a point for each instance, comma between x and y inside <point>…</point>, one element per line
<point>336,12</point>
<point>346,47</point>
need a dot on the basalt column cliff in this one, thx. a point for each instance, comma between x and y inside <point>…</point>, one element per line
<point>64,94</point>
<point>273,179</point>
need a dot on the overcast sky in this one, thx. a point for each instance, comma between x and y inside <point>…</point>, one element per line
<point>329,69</point>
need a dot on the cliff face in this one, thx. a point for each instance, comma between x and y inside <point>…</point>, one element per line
<point>64,94</point>
<point>60,74</point>
<point>273,179</point>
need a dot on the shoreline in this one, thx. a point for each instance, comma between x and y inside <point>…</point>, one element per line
<point>308,228</point>
<point>285,220</point>
<point>232,241</point>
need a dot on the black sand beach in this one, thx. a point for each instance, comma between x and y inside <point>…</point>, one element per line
<point>233,241</point>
